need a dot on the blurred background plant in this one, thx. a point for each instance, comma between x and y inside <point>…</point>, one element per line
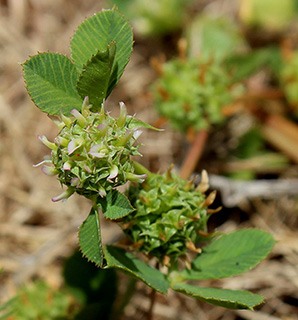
<point>256,141</point>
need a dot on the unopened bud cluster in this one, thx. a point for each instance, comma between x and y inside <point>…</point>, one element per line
<point>170,217</point>
<point>192,93</point>
<point>91,154</point>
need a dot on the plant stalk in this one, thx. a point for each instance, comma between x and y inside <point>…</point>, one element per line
<point>194,154</point>
<point>152,297</point>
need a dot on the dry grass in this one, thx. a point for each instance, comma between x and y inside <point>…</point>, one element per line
<point>36,234</point>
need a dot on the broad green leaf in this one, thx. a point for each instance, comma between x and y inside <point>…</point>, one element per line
<point>231,254</point>
<point>90,238</point>
<point>94,35</point>
<point>115,205</point>
<point>94,79</point>
<point>232,299</point>
<point>51,80</point>
<point>127,262</point>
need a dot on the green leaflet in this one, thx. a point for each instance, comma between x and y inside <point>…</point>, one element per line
<point>232,299</point>
<point>230,255</point>
<point>51,79</point>
<point>90,238</point>
<point>115,205</point>
<point>127,262</point>
<point>94,35</point>
<point>94,79</point>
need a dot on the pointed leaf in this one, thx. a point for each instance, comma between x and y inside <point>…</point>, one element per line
<point>232,299</point>
<point>127,262</point>
<point>94,35</point>
<point>90,238</point>
<point>115,205</point>
<point>51,79</point>
<point>231,254</point>
<point>94,79</point>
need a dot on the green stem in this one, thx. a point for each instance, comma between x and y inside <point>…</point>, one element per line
<point>140,169</point>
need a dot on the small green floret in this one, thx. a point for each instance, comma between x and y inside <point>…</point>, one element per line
<point>91,154</point>
<point>170,213</point>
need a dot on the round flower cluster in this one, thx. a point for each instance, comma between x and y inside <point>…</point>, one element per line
<point>170,217</point>
<point>92,153</point>
<point>191,93</point>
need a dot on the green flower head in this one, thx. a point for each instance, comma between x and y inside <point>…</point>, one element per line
<point>92,153</point>
<point>192,93</point>
<point>170,217</point>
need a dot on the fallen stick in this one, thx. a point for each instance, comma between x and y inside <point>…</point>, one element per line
<point>235,191</point>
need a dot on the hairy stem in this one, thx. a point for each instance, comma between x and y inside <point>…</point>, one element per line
<point>194,154</point>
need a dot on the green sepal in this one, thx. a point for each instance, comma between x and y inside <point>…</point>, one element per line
<point>130,264</point>
<point>136,123</point>
<point>51,79</point>
<point>115,205</point>
<point>231,299</point>
<point>94,79</point>
<point>90,238</point>
<point>230,255</point>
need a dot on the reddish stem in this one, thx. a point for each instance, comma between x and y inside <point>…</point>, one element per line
<point>152,297</point>
<point>194,154</point>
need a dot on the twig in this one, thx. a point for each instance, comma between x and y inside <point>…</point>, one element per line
<point>235,191</point>
<point>283,134</point>
<point>194,154</point>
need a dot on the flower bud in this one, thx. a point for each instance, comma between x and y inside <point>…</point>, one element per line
<point>122,141</point>
<point>102,129</point>
<point>74,145</point>
<point>49,171</point>
<point>98,151</point>
<point>113,172</point>
<point>64,195</point>
<point>47,143</point>
<point>122,117</point>
<point>85,107</point>
<point>79,117</point>
<point>139,178</point>
<point>67,121</point>
<point>62,141</point>
<point>67,166</point>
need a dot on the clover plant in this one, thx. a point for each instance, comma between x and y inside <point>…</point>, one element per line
<point>192,92</point>
<point>163,216</point>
